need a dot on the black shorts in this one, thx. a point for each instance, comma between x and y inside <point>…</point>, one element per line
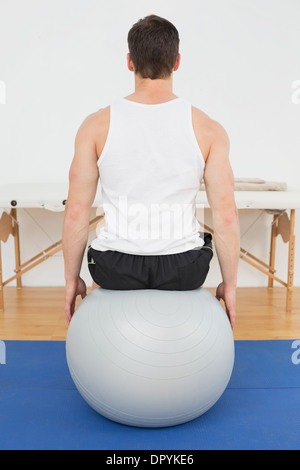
<point>121,271</point>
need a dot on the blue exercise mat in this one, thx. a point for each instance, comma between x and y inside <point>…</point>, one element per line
<point>40,407</point>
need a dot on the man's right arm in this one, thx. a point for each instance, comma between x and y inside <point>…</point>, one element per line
<point>219,184</point>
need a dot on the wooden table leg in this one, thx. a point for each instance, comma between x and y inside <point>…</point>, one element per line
<point>16,236</point>
<point>272,249</point>
<point>6,229</point>
<point>291,260</point>
<point>1,284</point>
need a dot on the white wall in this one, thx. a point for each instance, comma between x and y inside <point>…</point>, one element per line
<point>63,59</point>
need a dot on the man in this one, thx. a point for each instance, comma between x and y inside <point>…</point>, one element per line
<point>151,151</point>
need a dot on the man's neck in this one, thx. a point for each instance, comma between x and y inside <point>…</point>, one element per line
<point>158,88</point>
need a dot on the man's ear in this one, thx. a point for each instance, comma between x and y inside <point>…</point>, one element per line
<point>130,63</point>
<point>177,63</point>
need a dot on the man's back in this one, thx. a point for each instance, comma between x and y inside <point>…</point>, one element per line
<point>152,210</point>
<point>205,128</point>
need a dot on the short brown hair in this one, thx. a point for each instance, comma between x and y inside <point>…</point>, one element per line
<point>153,44</point>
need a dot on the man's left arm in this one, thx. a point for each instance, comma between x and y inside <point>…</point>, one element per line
<point>83,180</point>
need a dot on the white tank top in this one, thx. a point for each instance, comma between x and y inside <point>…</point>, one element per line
<point>150,172</point>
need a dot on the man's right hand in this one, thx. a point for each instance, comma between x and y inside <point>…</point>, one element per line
<point>72,289</point>
<point>228,294</point>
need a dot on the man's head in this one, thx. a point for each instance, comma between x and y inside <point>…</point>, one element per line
<point>153,44</point>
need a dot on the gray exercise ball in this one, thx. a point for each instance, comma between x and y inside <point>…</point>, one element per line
<point>150,358</point>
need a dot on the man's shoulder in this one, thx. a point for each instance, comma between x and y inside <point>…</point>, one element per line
<point>212,128</point>
<point>97,118</point>
<point>208,131</point>
<point>94,129</point>
<point>95,124</point>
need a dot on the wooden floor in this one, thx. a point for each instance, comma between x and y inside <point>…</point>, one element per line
<point>36,313</point>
